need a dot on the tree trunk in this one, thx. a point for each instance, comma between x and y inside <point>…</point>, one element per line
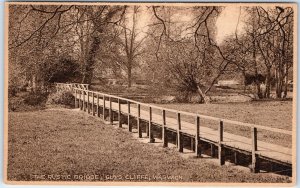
<point>268,83</point>
<point>129,79</point>
<point>279,83</point>
<point>34,83</point>
<point>203,98</point>
<point>89,64</point>
<point>280,66</point>
<point>244,75</point>
<point>257,82</point>
<point>285,81</point>
<point>87,76</point>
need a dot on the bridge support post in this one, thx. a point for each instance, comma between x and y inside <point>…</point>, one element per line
<point>139,120</point>
<point>221,151</point>
<point>88,102</point>
<point>147,130</point>
<point>236,157</point>
<point>192,144</point>
<point>197,138</point>
<point>76,100</point>
<point>212,150</point>
<point>179,135</point>
<point>84,104</point>
<point>255,160</point>
<point>119,114</point>
<point>103,113</point>
<point>164,130</point>
<point>110,111</point>
<point>128,117</point>
<point>151,137</point>
<point>80,99</point>
<point>83,100</point>
<point>98,111</point>
<point>93,104</point>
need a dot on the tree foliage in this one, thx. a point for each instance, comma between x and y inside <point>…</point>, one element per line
<point>60,43</point>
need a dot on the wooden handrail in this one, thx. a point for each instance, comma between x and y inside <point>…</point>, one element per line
<point>225,121</point>
<point>197,141</point>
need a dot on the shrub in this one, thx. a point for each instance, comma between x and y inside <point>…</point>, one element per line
<point>12,90</point>
<point>35,98</point>
<point>65,69</point>
<point>61,98</point>
<point>27,101</point>
<point>13,104</point>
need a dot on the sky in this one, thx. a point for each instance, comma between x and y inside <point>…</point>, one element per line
<point>228,21</point>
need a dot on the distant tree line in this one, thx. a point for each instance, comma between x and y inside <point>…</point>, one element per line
<point>68,43</point>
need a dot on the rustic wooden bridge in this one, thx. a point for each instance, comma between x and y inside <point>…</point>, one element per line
<point>165,123</point>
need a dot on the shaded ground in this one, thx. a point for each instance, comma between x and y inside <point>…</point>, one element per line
<point>277,114</point>
<point>157,93</point>
<point>58,142</point>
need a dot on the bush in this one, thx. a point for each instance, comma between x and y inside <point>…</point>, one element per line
<point>12,90</point>
<point>35,98</point>
<point>13,105</point>
<point>62,98</point>
<point>27,101</point>
<point>65,69</point>
<point>185,97</point>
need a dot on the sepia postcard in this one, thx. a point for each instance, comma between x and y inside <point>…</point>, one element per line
<point>103,93</point>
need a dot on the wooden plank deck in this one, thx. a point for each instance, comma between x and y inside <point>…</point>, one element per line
<point>265,150</point>
<point>198,132</point>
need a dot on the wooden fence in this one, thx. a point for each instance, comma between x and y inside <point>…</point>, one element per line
<point>117,108</point>
<point>70,86</point>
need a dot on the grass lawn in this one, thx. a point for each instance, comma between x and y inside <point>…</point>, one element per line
<point>56,142</point>
<point>277,114</point>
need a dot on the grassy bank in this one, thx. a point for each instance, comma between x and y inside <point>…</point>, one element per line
<point>276,114</point>
<point>58,142</point>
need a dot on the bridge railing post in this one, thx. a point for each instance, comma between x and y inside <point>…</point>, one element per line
<point>84,102</point>
<point>119,113</point>
<point>93,104</point>
<point>80,99</point>
<point>98,111</point>
<point>88,102</point>
<point>110,111</point>
<point>179,135</point>
<point>128,117</point>
<point>139,120</point>
<point>103,110</point>
<point>147,127</point>
<point>221,151</point>
<point>76,99</point>
<point>164,129</point>
<point>151,136</point>
<point>255,160</point>
<point>197,138</point>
